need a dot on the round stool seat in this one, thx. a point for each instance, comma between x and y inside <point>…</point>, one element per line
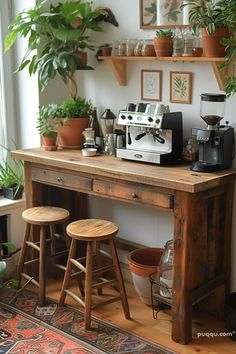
<point>45,215</point>
<point>92,229</point>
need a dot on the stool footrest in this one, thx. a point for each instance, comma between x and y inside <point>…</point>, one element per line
<point>104,253</point>
<point>31,261</point>
<point>104,269</point>
<point>78,264</point>
<point>104,282</point>
<point>28,277</point>
<point>75,297</point>
<point>110,301</point>
<point>33,245</point>
<point>74,274</point>
<point>60,253</point>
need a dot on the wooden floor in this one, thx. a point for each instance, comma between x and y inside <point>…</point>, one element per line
<point>157,330</point>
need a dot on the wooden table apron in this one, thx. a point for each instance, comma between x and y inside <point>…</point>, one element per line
<point>201,205</point>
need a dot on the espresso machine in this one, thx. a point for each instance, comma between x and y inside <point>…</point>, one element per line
<point>216,142</point>
<point>152,134</point>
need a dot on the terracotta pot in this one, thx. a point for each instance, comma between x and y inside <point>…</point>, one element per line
<point>106,51</point>
<point>49,143</point>
<point>70,134</point>
<point>83,57</point>
<point>163,46</point>
<point>212,45</point>
<point>142,263</point>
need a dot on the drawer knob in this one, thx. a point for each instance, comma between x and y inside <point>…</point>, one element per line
<point>59,179</point>
<point>134,196</point>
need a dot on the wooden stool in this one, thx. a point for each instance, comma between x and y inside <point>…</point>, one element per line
<point>44,217</point>
<point>93,231</point>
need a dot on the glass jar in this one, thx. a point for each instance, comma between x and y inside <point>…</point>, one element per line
<point>130,45</point>
<point>190,150</point>
<point>121,47</point>
<point>165,273</point>
<point>138,48</point>
<point>148,48</point>
<point>178,43</point>
<point>188,44</point>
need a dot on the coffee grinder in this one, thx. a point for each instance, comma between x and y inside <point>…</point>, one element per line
<point>216,142</point>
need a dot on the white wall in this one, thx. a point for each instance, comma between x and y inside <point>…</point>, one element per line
<point>26,90</point>
<point>138,224</point>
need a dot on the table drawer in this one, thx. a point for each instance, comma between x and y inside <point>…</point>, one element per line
<point>138,194</point>
<point>62,179</point>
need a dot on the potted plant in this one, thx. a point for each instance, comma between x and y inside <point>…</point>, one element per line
<point>7,263</point>
<point>58,33</point>
<point>47,125</point>
<point>69,119</point>
<point>163,43</point>
<point>208,17</point>
<point>11,177</point>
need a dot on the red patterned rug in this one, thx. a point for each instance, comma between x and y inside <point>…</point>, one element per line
<point>27,328</point>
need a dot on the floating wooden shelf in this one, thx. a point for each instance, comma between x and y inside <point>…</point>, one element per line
<point>118,65</point>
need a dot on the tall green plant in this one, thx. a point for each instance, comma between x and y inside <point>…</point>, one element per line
<point>54,36</point>
<point>211,14</point>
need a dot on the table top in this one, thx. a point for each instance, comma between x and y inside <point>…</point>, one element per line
<point>177,177</point>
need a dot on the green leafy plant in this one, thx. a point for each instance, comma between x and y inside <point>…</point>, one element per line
<point>46,120</point>
<point>55,35</point>
<point>207,14</point>
<point>70,108</point>
<point>77,108</point>
<point>164,33</point>
<point>210,15</point>
<point>11,172</point>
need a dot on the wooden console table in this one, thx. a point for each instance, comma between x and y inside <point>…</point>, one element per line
<point>201,205</point>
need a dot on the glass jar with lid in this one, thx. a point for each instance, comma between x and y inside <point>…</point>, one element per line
<point>130,45</point>
<point>138,48</point>
<point>148,48</point>
<point>190,150</point>
<point>121,47</point>
<point>165,274</point>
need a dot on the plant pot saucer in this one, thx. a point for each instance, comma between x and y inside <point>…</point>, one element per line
<point>69,147</point>
<point>50,148</point>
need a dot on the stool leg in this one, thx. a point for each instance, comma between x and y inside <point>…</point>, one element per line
<point>88,285</point>
<point>23,253</point>
<point>98,262</point>
<point>120,280</point>
<point>42,254</point>
<point>72,254</point>
<point>53,242</point>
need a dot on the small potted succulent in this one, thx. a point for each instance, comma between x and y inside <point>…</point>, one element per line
<point>163,43</point>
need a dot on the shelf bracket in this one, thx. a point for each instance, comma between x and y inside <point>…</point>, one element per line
<point>220,75</point>
<point>119,69</point>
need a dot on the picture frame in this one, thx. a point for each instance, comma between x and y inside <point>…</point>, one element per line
<point>181,87</point>
<point>156,14</point>
<point>151,85</point>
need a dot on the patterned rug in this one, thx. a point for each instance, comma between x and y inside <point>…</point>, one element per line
<point>28,328</point>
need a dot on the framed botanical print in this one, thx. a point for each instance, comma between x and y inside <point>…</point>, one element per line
<point>162,13</point>
<point>180,87</point>
<point>151,85</point>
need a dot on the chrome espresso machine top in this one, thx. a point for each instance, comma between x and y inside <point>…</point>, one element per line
<point>152,135</point>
